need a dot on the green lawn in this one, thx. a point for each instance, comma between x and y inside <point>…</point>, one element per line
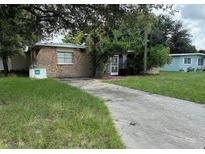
<point>49,114</point>
<point>187,86</point>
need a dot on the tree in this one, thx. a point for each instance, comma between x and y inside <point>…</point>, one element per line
<point>158,56</point>
<point>15,33</point>
<point>162,31</point>
<point>128,36</point>
<point>121,33</point>
<point>77,38</point>
<point>116,31</point>
<point>101,47</point>
<point>25,24</point>
<point>202,51</point>
<point>144,21</point>
<point>180,41</point>
<point>10,43</point>
<point>172,34</point>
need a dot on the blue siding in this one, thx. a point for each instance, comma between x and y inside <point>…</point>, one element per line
<point>173,66</point>
<point>177,63</point>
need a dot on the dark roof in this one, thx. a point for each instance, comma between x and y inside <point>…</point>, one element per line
<point>62,45</point>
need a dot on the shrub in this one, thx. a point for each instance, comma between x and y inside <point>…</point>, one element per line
<point>158,56</point>
<point>190,69</point>
<point>199,70</point>
<point>181,70</point>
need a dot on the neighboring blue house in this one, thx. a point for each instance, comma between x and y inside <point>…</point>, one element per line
<point>185,61</point>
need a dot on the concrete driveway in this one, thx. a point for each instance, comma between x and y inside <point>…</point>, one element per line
<point>147,120</point>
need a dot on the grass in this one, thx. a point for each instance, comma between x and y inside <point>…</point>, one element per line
<point>188,86</point>
<point>49,114</point>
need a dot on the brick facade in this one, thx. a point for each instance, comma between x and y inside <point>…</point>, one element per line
<point>81,67</point>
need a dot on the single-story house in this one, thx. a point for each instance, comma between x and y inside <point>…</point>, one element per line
<point>65,60</point>
<point>70,60</point>
<point>185,62</point>
<point>62,59</point>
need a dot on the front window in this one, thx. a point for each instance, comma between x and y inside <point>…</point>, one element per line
<point>187,60</point>
<point>65,57</point>
<point>200,62</point>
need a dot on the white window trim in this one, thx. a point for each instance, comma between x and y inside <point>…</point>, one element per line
<point>184,61</point>
<point>64,51</point>
<point>203,61</point>
<point>65,63</point>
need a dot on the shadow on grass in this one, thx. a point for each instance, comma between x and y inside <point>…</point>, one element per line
<point>15,73</point>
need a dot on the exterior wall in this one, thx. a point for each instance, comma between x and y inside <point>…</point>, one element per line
<point>178,63</point>
<point>81,67</point>
<point>173,66</point>
<point>194,62</point>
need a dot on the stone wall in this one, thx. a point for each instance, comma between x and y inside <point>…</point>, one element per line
<point>81,67</point>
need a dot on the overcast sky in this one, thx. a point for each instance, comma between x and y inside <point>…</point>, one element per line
<point>192,17</point>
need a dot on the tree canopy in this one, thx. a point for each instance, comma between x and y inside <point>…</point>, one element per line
<point>172,34</point>
<point>202,51</point>
<point>129,35</point>
<point>22,25</point>
<point>107,26</point>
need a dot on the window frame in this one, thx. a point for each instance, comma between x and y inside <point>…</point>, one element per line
<point>64,51</point>
<point>190,61</point>
<point>201,61</point>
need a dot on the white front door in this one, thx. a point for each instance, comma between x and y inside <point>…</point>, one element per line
<point>114,65</point>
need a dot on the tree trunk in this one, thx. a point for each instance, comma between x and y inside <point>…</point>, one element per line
<point>145,51</point>
<point>5,64</point>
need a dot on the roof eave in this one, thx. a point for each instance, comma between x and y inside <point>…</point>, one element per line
<point>188,54</point>
<point>60,46</point>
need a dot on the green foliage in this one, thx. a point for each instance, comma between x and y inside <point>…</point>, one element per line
<point>108,38</point>
<point>16,32</point>
<point>180,85</point>
<point>162,31</point>
<point>158,56</point>
<point>135,62</point>
<point>77,38</point>
<point>101,47</point>
<point>144,21</point>
<point>10,41</point>
<point>202,51</point>
<point>102,44</point>
<point>180,41</point>
<point>33,114</point>
<point>172,34</point>
<point>131,33</point>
